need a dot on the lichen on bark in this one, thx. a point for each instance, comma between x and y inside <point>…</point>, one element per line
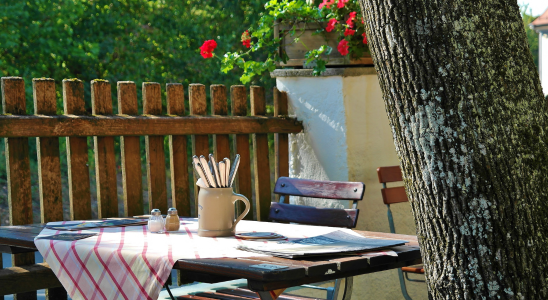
<point>469,123</point>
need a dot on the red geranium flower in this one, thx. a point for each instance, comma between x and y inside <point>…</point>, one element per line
<point>206,50</point>
<point>326,3</point>
<point>246,39</point>
<point>341,3</point>
<point>331,25</point>
<point>350,21</point>
<point>343,47</point>
<point>349,31</point>
<point>364,38</point>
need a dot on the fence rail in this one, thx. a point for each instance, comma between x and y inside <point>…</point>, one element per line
<point>103,125</point>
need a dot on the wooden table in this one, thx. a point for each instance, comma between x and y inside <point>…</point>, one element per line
<point>20,239</point>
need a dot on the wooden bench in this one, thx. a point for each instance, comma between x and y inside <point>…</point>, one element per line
<point>76,124</point>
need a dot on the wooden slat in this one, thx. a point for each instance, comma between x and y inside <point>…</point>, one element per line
<point>340,190</point>
<point>131,153</point>
<point>314,266</point>
<point>242,184</point>
<point>213,296</point>
<point>281,140</point>
<point>414,269</point>
<point>156,163</point>
<point>1,268</point>
<point>23,259</point>
<point>17,155</point>
<point>261,157</point>
<point>192,297</point>
<point>180,190</point>
<point>18,169</point>
<point>105,158</point>
<point>47,149</point>
<point>19,236</point>
<point>200,143</point>
<point>27,278</point>
<point>219,106</point>
<point>239,268</point>
<point>252,295</point>
<point>389,174</point>
<point>301,214</point>
<point>256,285</point>
<point>77,154</point>
<point>49,165</point>
<point>394,195</point>
<point>82,126</point>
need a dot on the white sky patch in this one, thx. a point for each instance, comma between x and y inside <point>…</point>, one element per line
<point>537,7</point>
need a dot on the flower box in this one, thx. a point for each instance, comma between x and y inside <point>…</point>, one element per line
<point>306,34</point>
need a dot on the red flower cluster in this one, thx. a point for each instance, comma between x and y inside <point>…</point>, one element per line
<point>343,47</point>
<point>349,31</point>
<point>206,50</point>
<point>364,38</point>
<point>246,39</point>
<point>327,3</point>
<point>350,21</point>
<point>331,25</point>
<point>341,3</point>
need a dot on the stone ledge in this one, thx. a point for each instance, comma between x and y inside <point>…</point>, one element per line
<point>344,72</point>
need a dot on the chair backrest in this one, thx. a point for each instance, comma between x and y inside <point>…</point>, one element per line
<point>391,195</point>
<point>336,190</point>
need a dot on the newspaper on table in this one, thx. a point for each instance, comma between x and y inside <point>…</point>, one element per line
<point>118,222</point>
<point>333,243</point>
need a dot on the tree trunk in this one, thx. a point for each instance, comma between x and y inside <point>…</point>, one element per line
<point>470,127</point>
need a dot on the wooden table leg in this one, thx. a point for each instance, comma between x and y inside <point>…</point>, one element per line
<point>270,295</point>
<point>266,295</point>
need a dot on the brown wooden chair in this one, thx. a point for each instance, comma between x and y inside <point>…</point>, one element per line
<point>394,195</point>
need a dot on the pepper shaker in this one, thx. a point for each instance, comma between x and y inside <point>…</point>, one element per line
<point>156,222</point>
<point>172,220</point>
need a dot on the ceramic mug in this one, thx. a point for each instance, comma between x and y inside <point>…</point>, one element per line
<point>216,211</point>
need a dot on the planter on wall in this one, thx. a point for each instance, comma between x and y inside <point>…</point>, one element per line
<point>305,32</point>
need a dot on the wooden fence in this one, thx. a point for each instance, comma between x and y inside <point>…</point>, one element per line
<point>103,125</point>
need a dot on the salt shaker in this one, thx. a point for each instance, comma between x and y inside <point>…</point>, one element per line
<point>172,220</point>
<point>156,222</point>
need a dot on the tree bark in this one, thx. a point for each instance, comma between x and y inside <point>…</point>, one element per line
<point>469,123</point>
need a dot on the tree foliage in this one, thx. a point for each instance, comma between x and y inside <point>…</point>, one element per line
<point>120,40</point>
<point>134,40</point>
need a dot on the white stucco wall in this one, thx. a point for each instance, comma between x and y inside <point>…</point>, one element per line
<point>346,137</point>
<point>321,152</point>
<point>543,60</point>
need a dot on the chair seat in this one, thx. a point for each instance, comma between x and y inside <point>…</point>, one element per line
<point>419,269</point>
<point>237,294</point>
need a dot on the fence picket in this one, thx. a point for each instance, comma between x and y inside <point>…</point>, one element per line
<point>219,106</point>
<point>180,191</point>
<point>281,142</point>
<point>77,154</point>
<point>132,180</point>
<point>49,164</point>
<point>261,157</point>
<point>156,164</point>
<point>47,149</point>
<point>200,143</point>
<point>242,184</point>
<point>18,169</point>
<point>105,159</point>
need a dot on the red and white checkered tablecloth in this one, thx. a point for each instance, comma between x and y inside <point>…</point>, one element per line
<point>132,263</point>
